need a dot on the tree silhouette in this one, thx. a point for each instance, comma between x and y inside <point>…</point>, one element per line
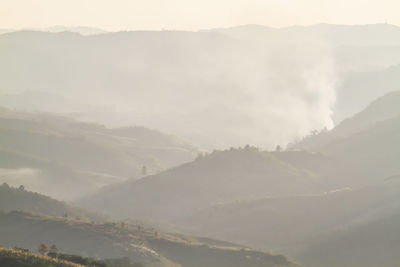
<point>43,249</point>
<point>53,249</point>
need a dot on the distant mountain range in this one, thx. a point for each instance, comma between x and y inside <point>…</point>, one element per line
<point>330,198</point>
<point>231,83</point>
<point>59,28</point>
<point>66,158</point>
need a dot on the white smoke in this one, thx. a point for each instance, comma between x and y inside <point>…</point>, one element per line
<point>216,90</point>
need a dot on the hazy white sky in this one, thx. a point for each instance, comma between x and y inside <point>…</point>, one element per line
<point>193,14</point>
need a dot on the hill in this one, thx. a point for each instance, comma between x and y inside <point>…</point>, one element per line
<point>18,199</point>
<point>115,240</point>
<point>359,88</point>
<point>381,109</point>
<point>366,244</point>
<point>268,222</point>
<point>368,143</point>
<point>49,153</point>
<point>370,154</point>
<point>222,176</point>
<point>149,77</point>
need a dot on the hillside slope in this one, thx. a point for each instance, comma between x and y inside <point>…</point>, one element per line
<point>219,177</point>
<point>268,222</point>
<point>19,199</point>
<point>366,244</point>
<point>15,258</point>
<point>368,143</point>
<point>383,108</point>
<point>53,154</point>
<point>111,240</point>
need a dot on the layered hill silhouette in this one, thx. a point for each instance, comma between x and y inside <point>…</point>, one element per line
<point>115,240</point>
<point>384,108</point>
<point>149,77</point>
<point>269,221</point>
<point>19,199</point>
<point>366,244</point>
<point>347,183</point>
<point>66,158</point>
<point>222,176</point>
<point>368,142</point>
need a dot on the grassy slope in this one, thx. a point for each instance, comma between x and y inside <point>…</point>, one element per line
<point>220,177</point>
<point>65,153</point>
<point>268,222</point>
<point>22,200</point>
<point>108,240</point>
<point>16,258</point>
<point>367,244</point>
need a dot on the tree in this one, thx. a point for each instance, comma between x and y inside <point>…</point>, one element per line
<point>43,249</point>
<point>144,170</point>
<point>21,187</point>
<point>53,249</point>
<point>278,148</point>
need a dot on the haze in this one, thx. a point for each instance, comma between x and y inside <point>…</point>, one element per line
<point>193,15</point>
<point>199,133</point>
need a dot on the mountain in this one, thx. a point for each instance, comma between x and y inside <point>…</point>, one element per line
<point>59,28</point>
<point>366,244</point>
<point>50,153</point>
<point>381,109</point>
<point>19,199</point>
<point>221,78</point>
<point>338,35</point>
<point>77,29</point>
<point>222,176</point>
<point>356,163</point>
<point>111,240</point>
<point>368,142</point>
<point>359,88</point>
<point>268,222</point>
<point>251,197</point>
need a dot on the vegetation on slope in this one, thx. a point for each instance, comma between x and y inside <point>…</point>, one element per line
<point>20,199</point>
<point>384,108</point>
<point>65,158</point>
<point>116,240</point>
<point>268,222</point>
<point>367,244</point>
<point>18,258</point>
<point>222,176</point>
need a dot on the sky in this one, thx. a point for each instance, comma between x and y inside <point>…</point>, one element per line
<point>115,15</point>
